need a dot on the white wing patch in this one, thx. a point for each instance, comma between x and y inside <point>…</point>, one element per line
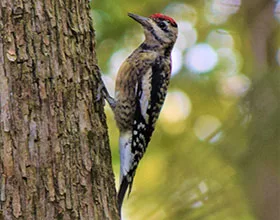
<point>125,153</point>
<point>146,94</point>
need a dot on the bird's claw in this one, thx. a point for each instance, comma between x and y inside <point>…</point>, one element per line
<point>99,92</point>
<point>102,91</point>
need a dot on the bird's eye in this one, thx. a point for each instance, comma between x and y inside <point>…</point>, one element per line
<point>162,25</point>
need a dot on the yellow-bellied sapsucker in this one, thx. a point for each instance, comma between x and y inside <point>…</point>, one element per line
<point>141,87</point>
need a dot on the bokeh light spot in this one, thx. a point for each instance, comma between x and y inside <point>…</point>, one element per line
<point>216,19</point>
<point>182,11</point>
<point>203,187</point>
<point>116,60</point>
<point>201,58</point>
<point>177,107</point>
<point>187,35</point>
<point>220,38</point>
<point>277,11</point>
<point>197,204</point>
<point>226,7</point>
<point>218,11</point>
<point>205,126</point>
<point>235,86</point>
<point>195,197</point>
<point>177,61</point>
<point>230,61</point>
<point>278,56</point>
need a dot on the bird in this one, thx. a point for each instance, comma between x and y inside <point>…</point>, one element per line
<point>140,90</point>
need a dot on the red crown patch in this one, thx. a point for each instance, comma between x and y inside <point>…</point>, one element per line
<point>164,17</point>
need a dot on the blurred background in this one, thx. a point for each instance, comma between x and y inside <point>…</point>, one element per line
<point>215,152</point>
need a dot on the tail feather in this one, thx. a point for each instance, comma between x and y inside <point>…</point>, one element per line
<point>122,191</point>
<point>126,168</point>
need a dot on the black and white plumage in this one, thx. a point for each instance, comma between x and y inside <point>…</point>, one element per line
<point>141,87</point>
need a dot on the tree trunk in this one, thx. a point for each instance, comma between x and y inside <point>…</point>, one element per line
<point>55,160</point>
<point>260,166</point>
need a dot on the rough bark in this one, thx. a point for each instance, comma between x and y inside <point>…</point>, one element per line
<point>55,158</point>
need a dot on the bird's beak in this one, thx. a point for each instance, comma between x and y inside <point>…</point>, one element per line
<point>140,19</point>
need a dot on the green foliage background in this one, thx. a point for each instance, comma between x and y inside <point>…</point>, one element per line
<point>232,171</point>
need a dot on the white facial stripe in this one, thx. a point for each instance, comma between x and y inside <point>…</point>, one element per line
<point>162,35</point>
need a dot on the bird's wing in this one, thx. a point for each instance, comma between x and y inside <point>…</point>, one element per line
<point>150,95</point>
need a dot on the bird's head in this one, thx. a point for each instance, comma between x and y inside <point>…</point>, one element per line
<point>159,29</point>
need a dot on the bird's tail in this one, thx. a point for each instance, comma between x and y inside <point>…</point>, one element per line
<point>122,191</point>
<point>126,158</point>
<point>125,186</point>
